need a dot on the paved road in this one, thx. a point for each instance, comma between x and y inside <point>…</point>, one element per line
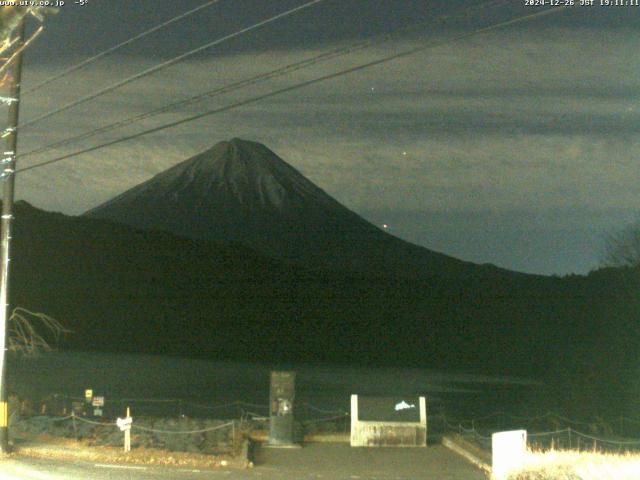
<point>44,469</point>
<point>315,461</point>
<point>340,461</point>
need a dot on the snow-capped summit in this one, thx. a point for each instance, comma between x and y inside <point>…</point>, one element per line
<point>240,191</point>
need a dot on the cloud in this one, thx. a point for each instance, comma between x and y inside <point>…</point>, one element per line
<point>520,119</point>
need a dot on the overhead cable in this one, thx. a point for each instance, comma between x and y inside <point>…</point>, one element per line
<point>166,64</point>
<point>110,50</point>
<point>298,86</point>
<point>332,54</point>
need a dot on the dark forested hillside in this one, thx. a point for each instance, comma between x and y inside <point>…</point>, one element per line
<point>123,290</point>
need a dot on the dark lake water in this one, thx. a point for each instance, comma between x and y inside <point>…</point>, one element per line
<point>153,385</point>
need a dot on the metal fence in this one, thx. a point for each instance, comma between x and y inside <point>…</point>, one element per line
<point>175,416</point>
<point>553,431</point>
<point>173,424</point>
<point>187,435</point>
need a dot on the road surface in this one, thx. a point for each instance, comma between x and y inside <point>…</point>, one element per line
<point>316,461</point>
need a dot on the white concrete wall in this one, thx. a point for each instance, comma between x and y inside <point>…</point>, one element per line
<point>388,434</point>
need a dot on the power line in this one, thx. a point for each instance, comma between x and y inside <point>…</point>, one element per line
<point>254,80</point>
<point>209,94</point>
<point>297,86</point>
<point>98,56</point>
<point>166,64</point>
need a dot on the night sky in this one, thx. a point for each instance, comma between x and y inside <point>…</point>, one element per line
<point>516,147</point>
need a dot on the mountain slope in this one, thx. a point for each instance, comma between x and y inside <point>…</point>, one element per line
<point>240,191</point>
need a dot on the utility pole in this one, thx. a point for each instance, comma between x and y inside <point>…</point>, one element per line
<point>7,177</point>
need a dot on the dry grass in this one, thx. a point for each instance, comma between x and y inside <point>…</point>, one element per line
<point>575,465</point>
<point>45,446</point>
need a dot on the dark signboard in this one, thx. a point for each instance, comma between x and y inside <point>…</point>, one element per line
<point>282,394</point>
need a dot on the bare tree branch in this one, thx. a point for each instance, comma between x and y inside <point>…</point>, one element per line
<point>24,333</point>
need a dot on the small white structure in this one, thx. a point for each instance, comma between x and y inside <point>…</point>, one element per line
<point>385,433</point>
<point>509,451</point>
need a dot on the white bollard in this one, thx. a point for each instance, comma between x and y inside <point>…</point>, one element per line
<point>125,426</point>
<point>509,450</point>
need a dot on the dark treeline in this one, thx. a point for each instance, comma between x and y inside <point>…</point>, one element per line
<point>122,290</point>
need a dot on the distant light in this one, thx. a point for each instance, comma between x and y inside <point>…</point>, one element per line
<point>404,153</point>
<point>385,226</point>
<point>373,89</point>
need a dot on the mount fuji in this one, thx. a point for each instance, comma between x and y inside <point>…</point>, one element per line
<point>241,192</point>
